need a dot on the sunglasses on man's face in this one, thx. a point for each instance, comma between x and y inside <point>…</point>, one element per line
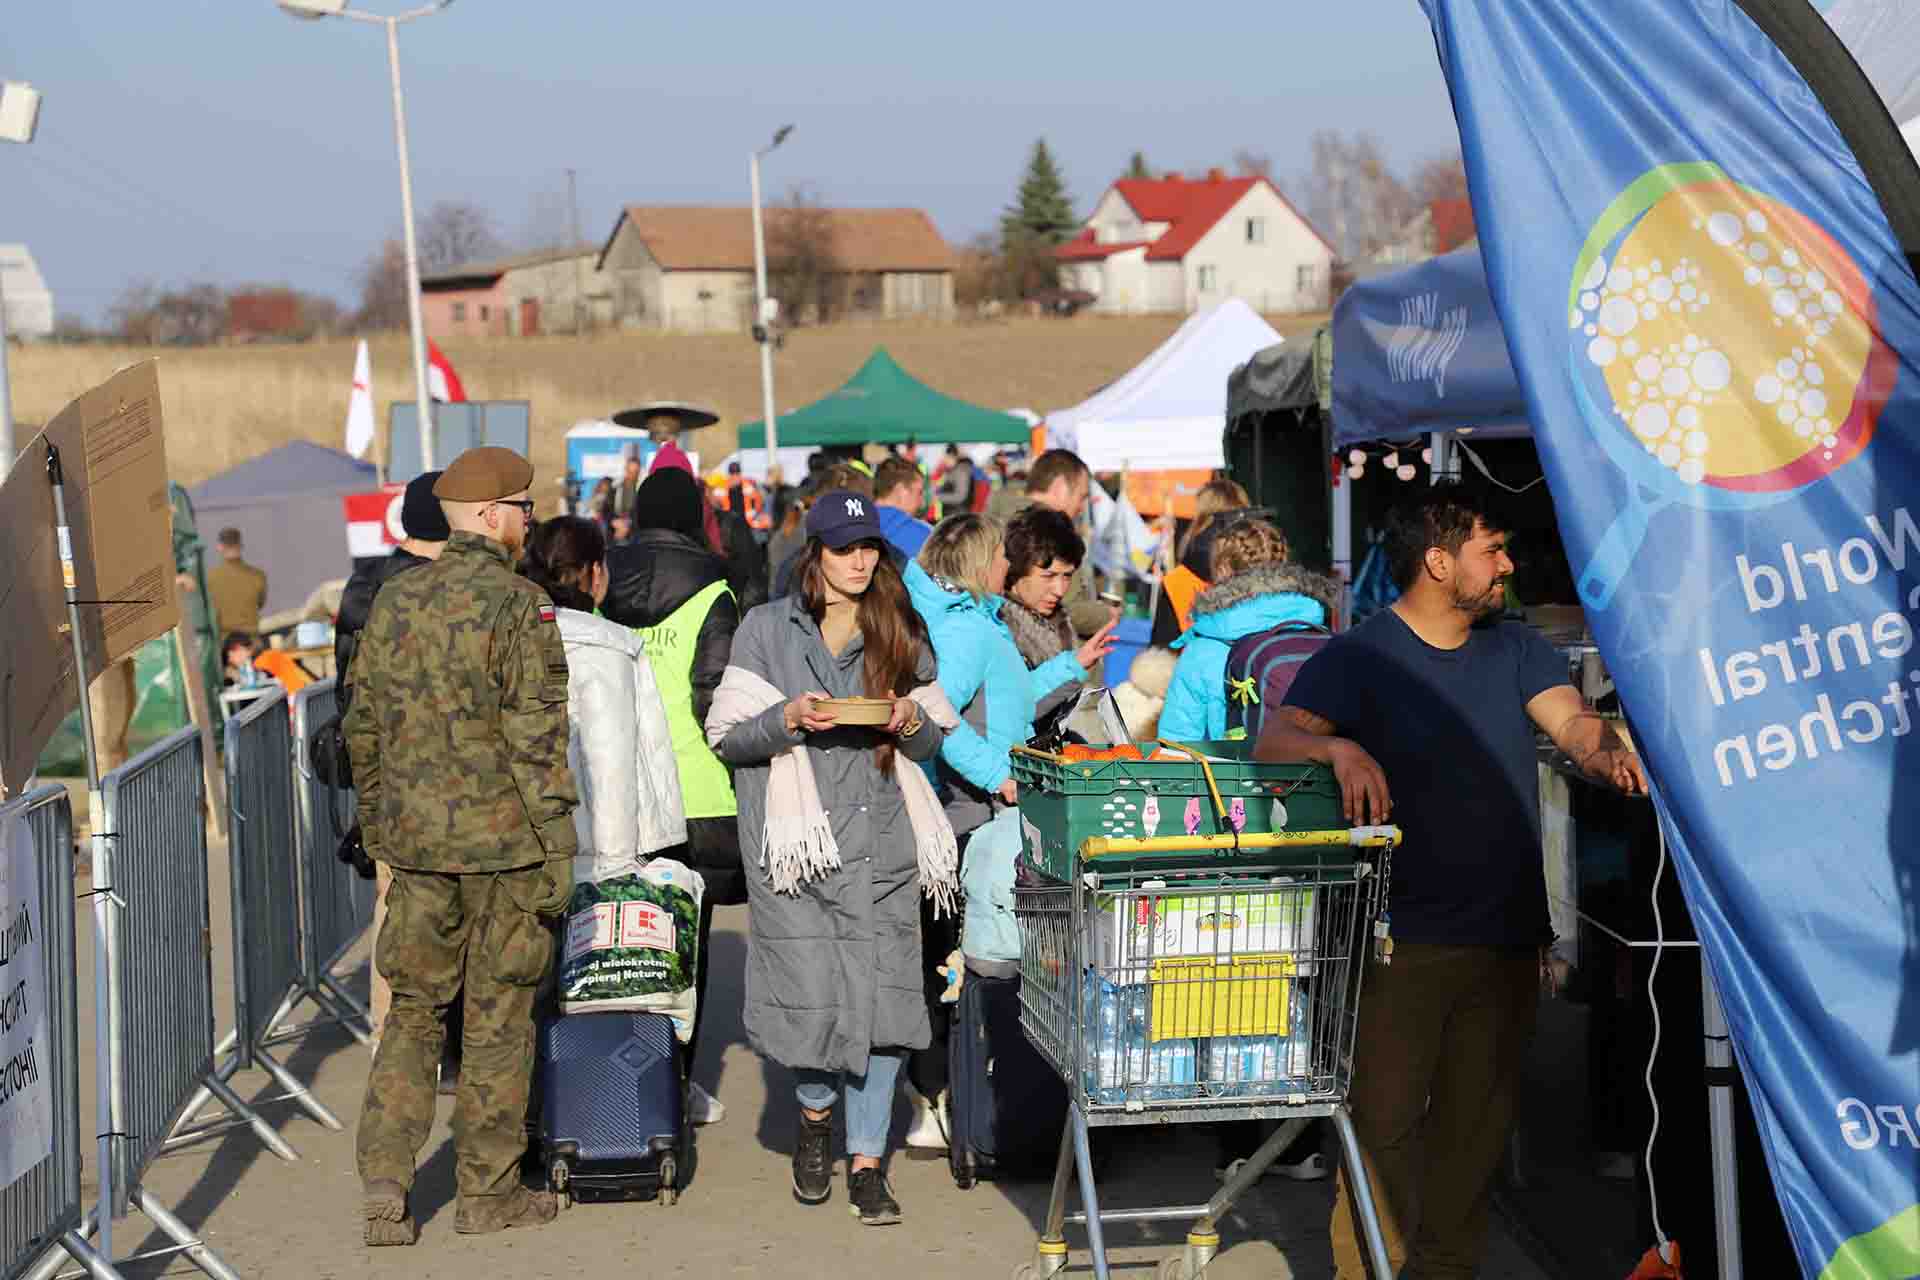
<point>525,505</point>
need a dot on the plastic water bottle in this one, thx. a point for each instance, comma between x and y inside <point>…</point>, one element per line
<point>1298,1050</point>
<point>1172,1062</point>
<point>1101,1020</point>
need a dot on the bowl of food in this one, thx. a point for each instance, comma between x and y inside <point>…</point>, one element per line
<point>867,711</point>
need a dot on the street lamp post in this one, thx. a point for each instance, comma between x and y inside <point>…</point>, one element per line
<point>338,9</point>
<point>766,309</point>
<point>19,112</point>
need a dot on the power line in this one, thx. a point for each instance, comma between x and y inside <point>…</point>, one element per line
<point>103,185</point>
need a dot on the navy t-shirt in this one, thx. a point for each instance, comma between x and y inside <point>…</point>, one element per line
<point>1451,731</point>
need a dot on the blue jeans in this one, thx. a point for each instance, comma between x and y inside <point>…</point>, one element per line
<point>869,1099</point>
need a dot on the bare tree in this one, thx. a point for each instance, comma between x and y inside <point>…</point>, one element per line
<point>976,270</point>
<point>455,233</point>
<point>548,224</point>
<point>804,269</point>
<point>1248,163</point>
<point>194,314</point>
<point>383,288</point>
<point>1352,195</point>
<point>1441,177</point>
<point>130,316</point>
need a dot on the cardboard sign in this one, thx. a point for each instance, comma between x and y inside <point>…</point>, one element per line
<point>26,1062</point>
<point>114,459</point>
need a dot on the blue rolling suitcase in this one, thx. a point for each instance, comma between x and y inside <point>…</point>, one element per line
<point>613,1107</point>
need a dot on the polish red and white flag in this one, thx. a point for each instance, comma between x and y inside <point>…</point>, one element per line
<point>443,384</point>
<point>373,521</point>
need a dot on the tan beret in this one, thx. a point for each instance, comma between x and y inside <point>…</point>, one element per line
<point>484,475</point>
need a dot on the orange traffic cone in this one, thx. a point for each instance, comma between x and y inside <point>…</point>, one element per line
<point>1662,1262</point>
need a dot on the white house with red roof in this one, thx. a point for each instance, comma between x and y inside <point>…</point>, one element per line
<point>1181,244</point>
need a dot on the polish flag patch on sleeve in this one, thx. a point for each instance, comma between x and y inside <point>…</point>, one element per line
<point>546,613</point>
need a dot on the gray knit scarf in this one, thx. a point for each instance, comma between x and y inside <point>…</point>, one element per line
<point>1038,638</point>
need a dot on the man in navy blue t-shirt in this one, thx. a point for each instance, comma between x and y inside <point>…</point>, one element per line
<point>1441,698</point>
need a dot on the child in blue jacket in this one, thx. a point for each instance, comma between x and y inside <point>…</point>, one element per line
<point>1254,590</point>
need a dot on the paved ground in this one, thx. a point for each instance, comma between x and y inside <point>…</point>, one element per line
<point>268,1217</point>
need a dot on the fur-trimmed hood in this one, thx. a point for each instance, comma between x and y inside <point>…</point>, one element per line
<point>1269,579</point>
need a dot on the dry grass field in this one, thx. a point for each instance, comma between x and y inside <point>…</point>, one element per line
<point>224,405</point>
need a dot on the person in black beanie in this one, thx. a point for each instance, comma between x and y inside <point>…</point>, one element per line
<point>666,583</point>
<point>425,527</point>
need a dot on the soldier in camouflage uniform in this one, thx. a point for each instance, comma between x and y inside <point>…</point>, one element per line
<point>458,734</point>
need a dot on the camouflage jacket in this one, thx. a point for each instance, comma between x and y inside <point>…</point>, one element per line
<point>458,728</point>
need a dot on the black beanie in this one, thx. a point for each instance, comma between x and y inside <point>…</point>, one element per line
<point>420,513</point>
<point>670,499</point>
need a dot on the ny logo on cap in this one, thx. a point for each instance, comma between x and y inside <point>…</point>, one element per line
<point>855,510</point>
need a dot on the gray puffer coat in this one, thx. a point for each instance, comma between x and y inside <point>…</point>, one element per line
<point>833,973</point>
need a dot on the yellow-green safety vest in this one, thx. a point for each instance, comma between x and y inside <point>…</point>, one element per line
<point>706,788</point>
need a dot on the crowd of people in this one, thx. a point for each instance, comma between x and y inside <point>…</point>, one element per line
<point>621,682</point>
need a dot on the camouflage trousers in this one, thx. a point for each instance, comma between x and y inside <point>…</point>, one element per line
<point>448,936</point>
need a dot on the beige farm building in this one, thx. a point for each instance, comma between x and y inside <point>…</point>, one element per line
<point>691,266</point>
<point>551,291</point>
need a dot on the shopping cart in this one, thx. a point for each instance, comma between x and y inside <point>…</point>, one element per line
<point>1188,979</point>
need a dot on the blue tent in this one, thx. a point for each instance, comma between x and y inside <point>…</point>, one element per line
<point>1422,350</point>
<point>286,504</point>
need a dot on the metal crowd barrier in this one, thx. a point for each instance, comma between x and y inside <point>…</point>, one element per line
<point>269,977</point>
<point>336,903</point>
<point>153,971</point>
<point>42,1209</point>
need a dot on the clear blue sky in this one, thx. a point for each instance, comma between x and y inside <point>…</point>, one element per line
<point>195,139</point>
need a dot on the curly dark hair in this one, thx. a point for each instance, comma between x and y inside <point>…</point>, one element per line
<point>1038,536</point>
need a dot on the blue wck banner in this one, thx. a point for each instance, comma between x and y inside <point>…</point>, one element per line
<point>1698,220</point>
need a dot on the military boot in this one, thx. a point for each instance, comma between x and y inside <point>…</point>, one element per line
<point>519,1207</point>
<point>389,1221</point>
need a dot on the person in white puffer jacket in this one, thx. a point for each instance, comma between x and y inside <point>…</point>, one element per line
<point>620,745</point>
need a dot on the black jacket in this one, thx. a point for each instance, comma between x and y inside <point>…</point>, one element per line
<point>655,572</point>
<point>356,604</point>
<point>746,560</point>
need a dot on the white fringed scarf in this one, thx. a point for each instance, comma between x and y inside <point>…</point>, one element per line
<point>797,844</point>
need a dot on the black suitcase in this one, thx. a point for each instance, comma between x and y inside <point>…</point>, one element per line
<point>613,1107</point>
<point>1008,1108</point>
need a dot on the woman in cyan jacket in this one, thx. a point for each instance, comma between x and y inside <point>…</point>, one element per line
<point>958,584</point>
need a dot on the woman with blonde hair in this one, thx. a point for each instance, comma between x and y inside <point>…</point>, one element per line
<point>1194,572</point>
<point>958,584</point>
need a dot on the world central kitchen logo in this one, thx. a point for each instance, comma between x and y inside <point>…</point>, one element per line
<point>1425,341</point>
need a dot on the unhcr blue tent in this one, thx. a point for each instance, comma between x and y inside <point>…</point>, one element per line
<point>286,504</point>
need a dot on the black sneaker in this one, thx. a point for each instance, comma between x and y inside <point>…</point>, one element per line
<point>813,1161</point>
<point>872,1198</point>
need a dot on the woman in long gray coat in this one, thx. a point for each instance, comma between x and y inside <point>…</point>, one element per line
<point>835,839</point>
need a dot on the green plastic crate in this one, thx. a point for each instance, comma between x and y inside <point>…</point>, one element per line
<point>1063,803</point>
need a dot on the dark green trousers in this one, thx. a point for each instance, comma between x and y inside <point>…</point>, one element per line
<point>472,937</point>
<point>1443,1033</point>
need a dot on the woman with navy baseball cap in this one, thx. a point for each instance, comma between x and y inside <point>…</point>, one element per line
<point>840,836</point>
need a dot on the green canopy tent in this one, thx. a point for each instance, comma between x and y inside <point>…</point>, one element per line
<point>884,404</point>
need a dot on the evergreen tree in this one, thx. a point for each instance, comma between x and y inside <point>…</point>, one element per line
<point>1137,166</point>
<point>1042,210</point>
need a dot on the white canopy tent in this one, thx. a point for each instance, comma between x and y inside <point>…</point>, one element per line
<point>1169,412</point>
